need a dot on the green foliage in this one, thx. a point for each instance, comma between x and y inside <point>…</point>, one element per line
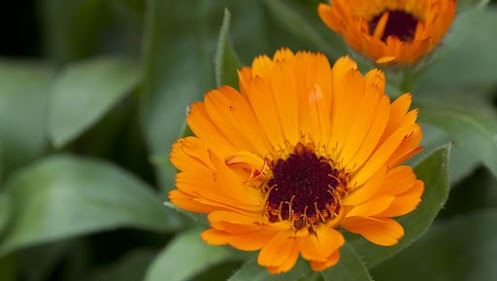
<point>23,85</point>
<point>84,92</point>
<point>186,256</point>
<point>463,248</point>
<point>62,196</point>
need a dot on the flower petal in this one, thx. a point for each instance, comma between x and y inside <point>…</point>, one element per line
<point>318,246</point>
<point>280,253</point>
<point>405,202</point>
<point>330,261</point>
<point>381,231</point>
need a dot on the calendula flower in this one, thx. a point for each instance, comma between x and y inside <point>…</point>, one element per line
<point>300,153</point>
<point>400,31</point>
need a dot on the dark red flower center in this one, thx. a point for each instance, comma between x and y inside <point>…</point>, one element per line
<point>399,24</point>
<point>303,189</point>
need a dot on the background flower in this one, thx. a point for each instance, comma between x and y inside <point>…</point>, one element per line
<point>400,32</point>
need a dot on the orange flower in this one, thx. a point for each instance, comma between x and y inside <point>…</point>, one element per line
<point>300,152</point>
<point>391,31</point>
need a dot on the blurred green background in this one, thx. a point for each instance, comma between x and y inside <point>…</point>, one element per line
<point>93,93</point>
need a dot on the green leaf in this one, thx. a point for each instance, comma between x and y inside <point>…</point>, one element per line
<point>433,171</point>
<point>64,196</point>
<point>254,272</point>
<point>349,267</point>
<point>131,266</point>
<point>303,21</point>
<point>469,121</point>
<point>84,92</point>
<point>226,60</point>
<point>186,256</point>
<point>463,249</point>
<point>24,90</point>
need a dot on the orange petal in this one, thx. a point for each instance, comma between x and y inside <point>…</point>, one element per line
<point>381,154</point>
<point>204,128</point>
<point>215,237</point>
<point>398,180</point>
<point>406,202</point>
<point>280,250</point>
<point>318,246</point>
<point>363,193</point>
<point>184,201</point>
<point>190,154</point>
<point>251,241</point>
<point>263,103</point>
<point>381,231</point>
<point>234,222</point>
<point>330,261</point>
<point>288,264</point>
<point>372,206</point>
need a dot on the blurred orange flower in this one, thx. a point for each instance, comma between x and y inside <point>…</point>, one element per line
<point>302,151</point>
<point>392,31</point>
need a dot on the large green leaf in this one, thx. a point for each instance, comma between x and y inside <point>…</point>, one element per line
<point>463,249</point>
<point>23,100</point>
<point>433,171</point>
<point>349,267</point>
<point>186,256</point>
<point>254,272</point>
<point>469,121</point>
<point>64,196</point>
<point>84,92</point>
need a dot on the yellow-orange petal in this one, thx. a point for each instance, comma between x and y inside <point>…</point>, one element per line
<point>372,206</point>
<point>381,231</point>
<point>365,192</point>
<point>318,246</point>
<point>279,253</point>
<point>330,261</point>
<point>215,237</point>
<point>405,202</point>
<point>233,222</point>
<point>184,201</point>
